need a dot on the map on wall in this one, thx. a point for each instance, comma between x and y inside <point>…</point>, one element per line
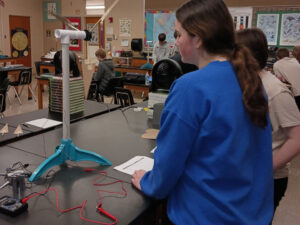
<point>290,29</point>
<point>268,23</point>
<point>157,22</point>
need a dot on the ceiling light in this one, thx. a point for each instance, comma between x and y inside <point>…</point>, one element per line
<point>95,7</point>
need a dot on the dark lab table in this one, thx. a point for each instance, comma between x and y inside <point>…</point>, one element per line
<point>116,136</point>
<point>91,108</point>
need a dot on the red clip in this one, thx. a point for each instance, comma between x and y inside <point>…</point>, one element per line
<point>106,213</point>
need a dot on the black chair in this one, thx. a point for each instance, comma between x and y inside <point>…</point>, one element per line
<point>25,78</point>
<point>3,91</point>
<point>93,90</point>
<point>37,67</point>
<point>110,89</point>
<point>123,97</point>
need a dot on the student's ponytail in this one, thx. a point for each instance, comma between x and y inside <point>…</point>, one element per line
<point>247,72</point>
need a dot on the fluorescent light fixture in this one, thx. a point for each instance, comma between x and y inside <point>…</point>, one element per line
<point>95,7</point>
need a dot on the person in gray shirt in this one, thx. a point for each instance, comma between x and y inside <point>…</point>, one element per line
<point>161,49</point>
<point>105,71</point>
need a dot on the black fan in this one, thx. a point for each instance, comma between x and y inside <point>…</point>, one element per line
<point>164,73</point>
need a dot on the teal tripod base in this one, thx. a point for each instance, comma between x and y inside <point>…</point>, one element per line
<point>67,151</point>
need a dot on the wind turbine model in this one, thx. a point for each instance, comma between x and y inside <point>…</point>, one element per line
<point>67,150</point>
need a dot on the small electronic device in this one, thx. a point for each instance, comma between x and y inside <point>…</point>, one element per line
<point>11,206</point>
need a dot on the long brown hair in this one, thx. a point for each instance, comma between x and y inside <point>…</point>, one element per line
<point>211,21</point>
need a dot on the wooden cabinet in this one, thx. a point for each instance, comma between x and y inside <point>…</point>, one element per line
<point>7,61</point>
<point>138,62</point>
<point>131,61</point>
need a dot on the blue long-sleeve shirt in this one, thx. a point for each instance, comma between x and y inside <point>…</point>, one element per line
<point>211,162</point>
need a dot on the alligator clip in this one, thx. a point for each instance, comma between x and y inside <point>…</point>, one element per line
<point>101,210</point>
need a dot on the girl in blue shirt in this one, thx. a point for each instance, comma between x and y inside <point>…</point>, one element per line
<point>213,160</point>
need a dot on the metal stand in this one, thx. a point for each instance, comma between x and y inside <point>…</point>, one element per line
<point>67,150</point>
<point>147,65</point>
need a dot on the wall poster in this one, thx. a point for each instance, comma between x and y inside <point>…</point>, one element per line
<point>268,23</point>
<point>290,29</point>
<point>48,7</point>
<point>125,27</point>
<point>75,44</point>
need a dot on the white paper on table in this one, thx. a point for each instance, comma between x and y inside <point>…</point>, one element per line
<point>136,163</point>
<point>44,123</point>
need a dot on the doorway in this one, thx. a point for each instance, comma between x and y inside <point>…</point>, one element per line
<point>97,41</point>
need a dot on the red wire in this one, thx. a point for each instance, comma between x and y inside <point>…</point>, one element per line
<point>103,173</point>
<point>57,206</point>
<point>93,221</point>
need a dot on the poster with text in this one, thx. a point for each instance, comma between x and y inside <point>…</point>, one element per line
<point>125,27</point>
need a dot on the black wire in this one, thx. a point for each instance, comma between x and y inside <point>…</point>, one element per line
<point>46,179</point>
<point>21,166</point>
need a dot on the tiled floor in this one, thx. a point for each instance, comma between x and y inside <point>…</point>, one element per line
<point>288,212</point>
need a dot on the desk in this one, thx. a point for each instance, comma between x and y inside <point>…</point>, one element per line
<point>132,69</point>
<point>140,61</point>
<point>8,60</point>
<point>47,66</point>
<point>138,88</point>
<point>116,136</point>
<point>14,72</point>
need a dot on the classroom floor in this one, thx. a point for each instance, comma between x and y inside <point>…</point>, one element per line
<point>288,211</point>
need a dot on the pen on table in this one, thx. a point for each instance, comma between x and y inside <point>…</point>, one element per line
<point>25,125</point>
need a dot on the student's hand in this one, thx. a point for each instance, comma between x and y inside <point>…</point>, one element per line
<point>136,178</point>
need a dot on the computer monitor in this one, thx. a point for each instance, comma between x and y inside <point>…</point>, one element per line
<point>137,44</point>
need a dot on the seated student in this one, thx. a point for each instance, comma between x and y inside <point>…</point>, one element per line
<point>288,68</point>
<point>296,52</point>
<point>105,71</point>
<point>74,70</point>
<point>284,114</point>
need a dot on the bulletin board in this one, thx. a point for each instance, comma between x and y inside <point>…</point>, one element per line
<point>282,28</point>
<point>157,22</point>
